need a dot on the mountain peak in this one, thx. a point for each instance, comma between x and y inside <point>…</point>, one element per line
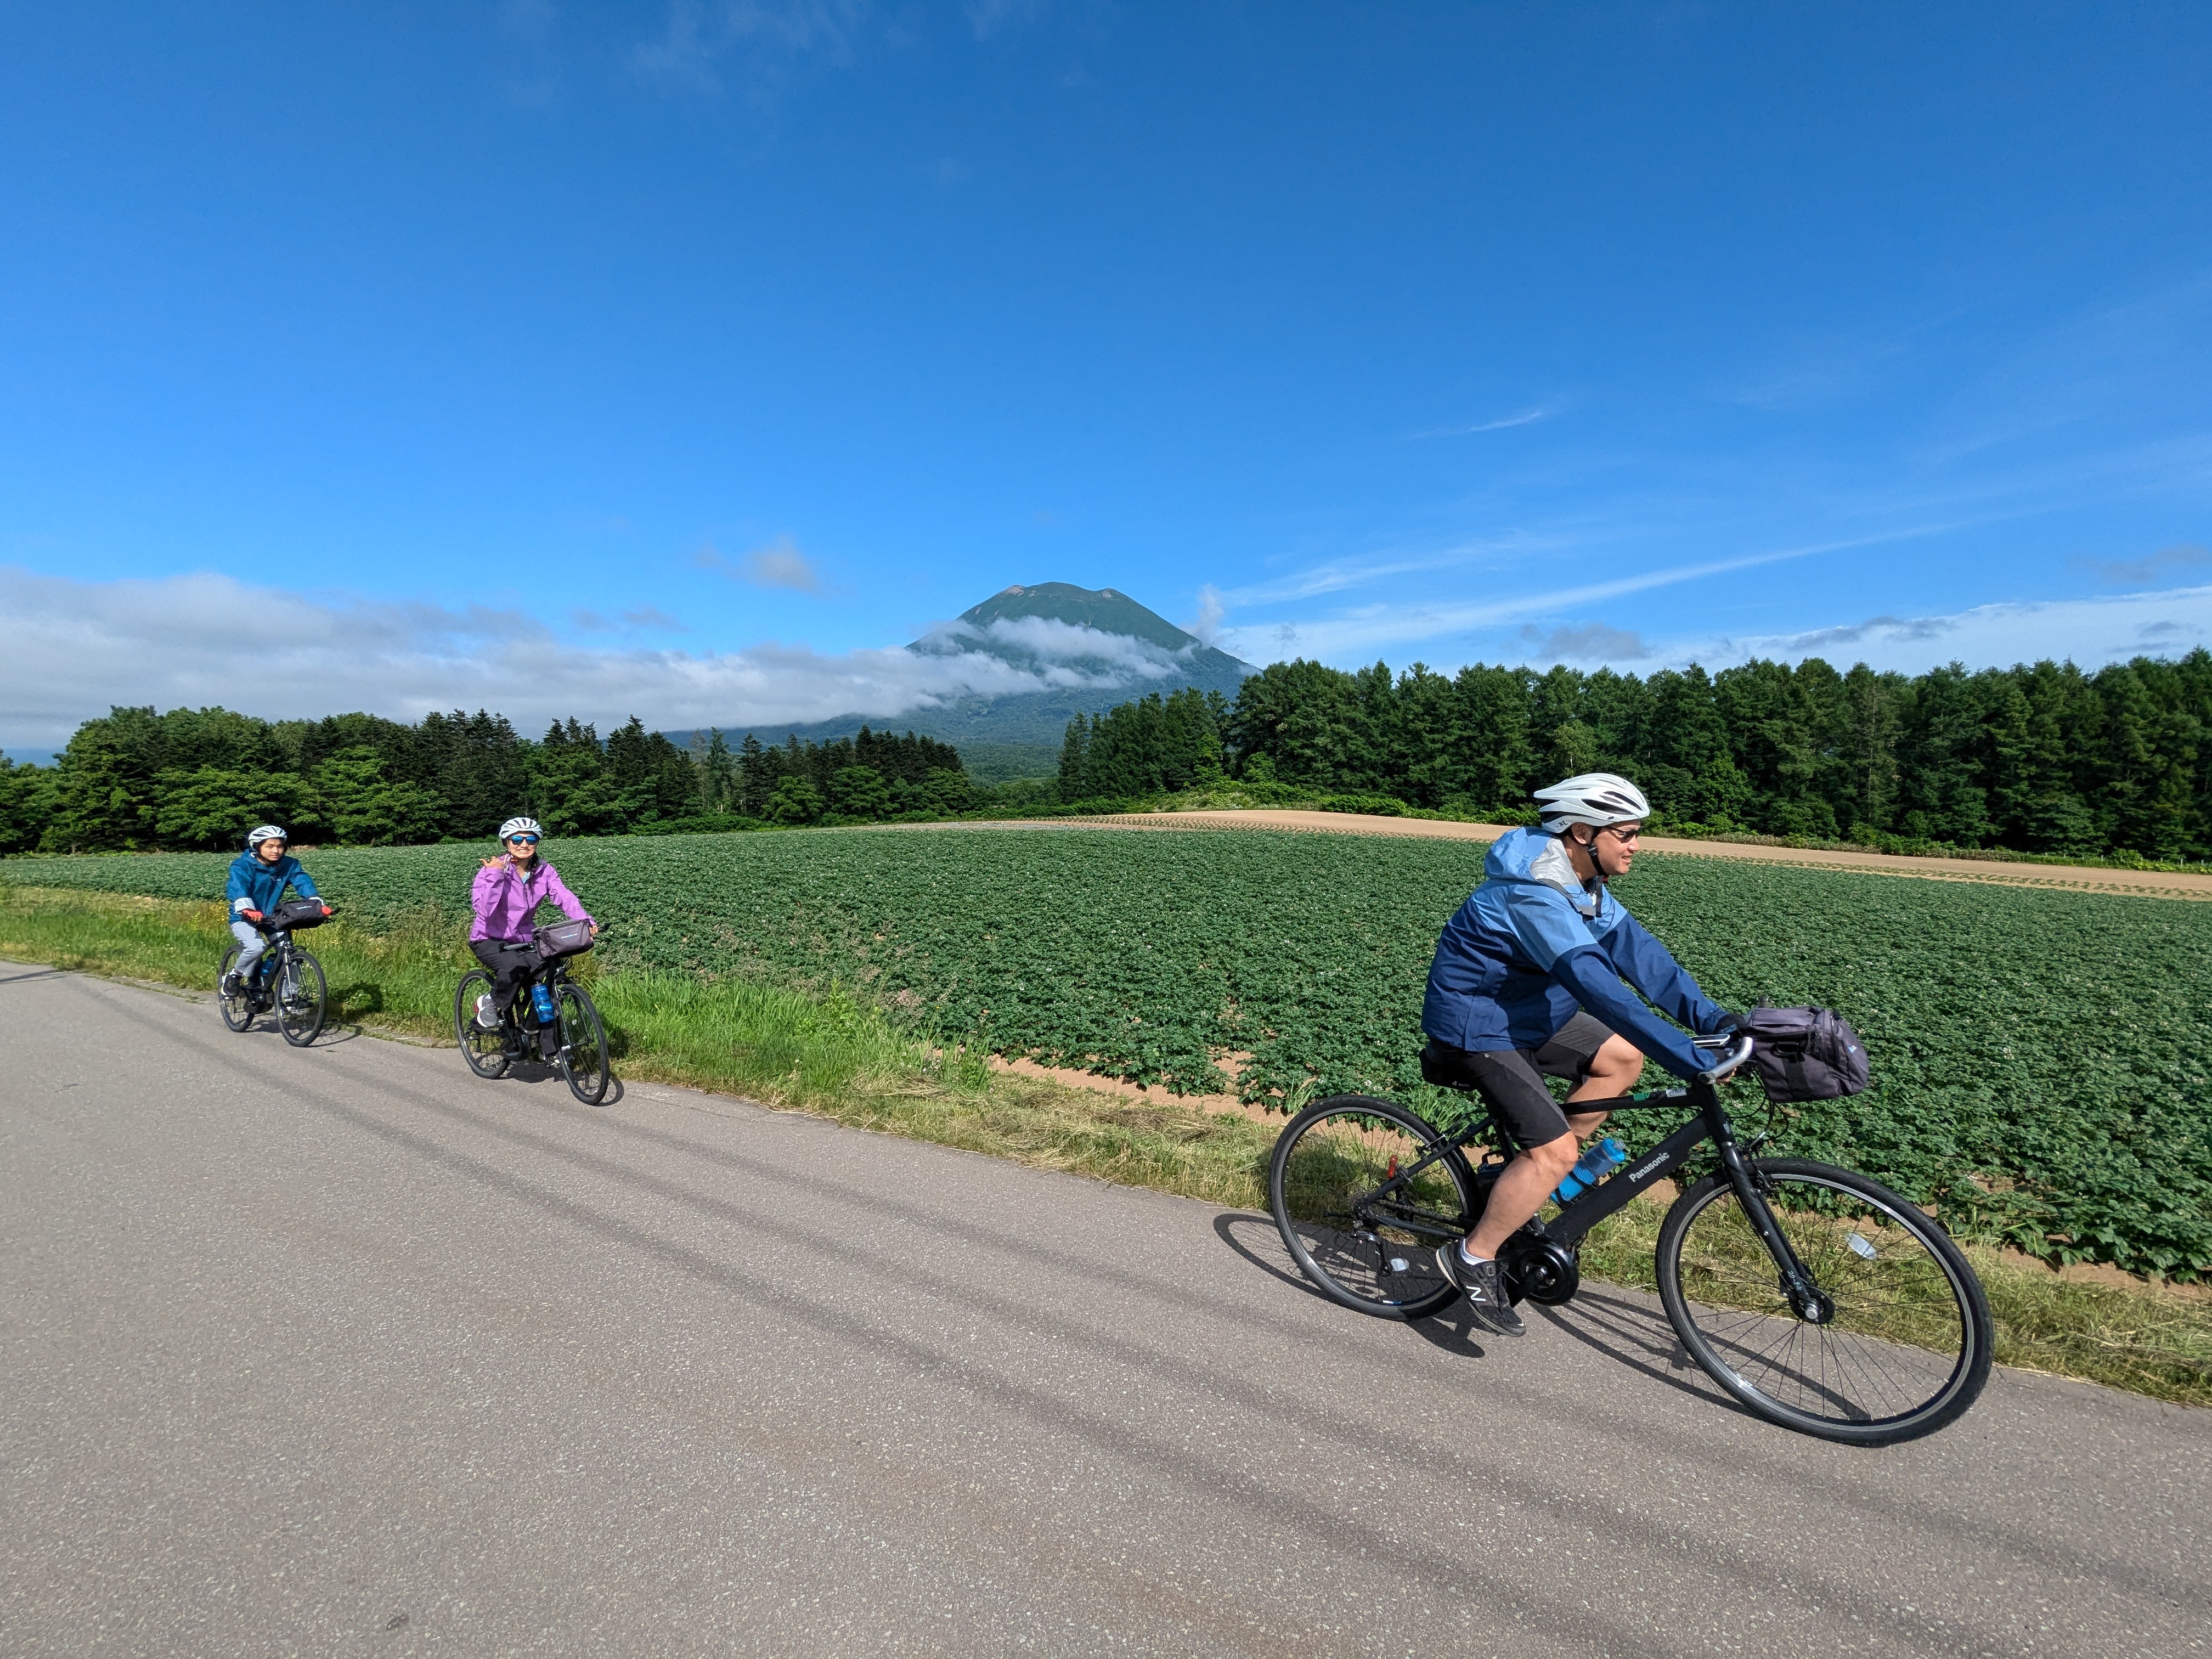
<point>1102,609</point>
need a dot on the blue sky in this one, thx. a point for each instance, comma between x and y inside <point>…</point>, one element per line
<point>680,359</point>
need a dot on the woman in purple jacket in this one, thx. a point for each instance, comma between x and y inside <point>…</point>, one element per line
<point>508,891</point>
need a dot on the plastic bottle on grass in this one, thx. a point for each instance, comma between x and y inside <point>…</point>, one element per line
<point>1602,1158</point>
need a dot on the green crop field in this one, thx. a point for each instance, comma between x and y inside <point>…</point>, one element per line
<point>2043,1060</point>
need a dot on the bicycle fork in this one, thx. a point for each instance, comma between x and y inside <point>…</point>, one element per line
<point>1812,1304</point>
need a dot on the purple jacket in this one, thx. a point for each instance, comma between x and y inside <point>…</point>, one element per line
<point>507,901</point>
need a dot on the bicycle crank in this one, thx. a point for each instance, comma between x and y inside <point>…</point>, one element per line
<point>1542,1269</point>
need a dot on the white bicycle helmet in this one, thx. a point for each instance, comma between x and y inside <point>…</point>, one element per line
<point>260,832</point>
<point>1597,799</point>
<point>519,827</point>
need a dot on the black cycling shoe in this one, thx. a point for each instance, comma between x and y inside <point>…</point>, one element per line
<point>1480,1284</point>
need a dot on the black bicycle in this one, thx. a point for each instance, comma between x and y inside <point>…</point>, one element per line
<point>1814,1296</point>
<point>574,1039</point>
<point>285,979</point>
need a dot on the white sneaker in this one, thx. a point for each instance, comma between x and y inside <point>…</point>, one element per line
<point>487,1016</point>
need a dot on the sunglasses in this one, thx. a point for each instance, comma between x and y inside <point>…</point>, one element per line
<point>522,841</point>
<point>1622,834</point>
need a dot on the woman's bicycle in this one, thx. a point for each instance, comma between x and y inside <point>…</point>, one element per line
<point>286,979</point>
<point>574,1039</point>
<point>1814,1296</point>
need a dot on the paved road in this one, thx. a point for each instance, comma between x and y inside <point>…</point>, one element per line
<point>344,1351</point>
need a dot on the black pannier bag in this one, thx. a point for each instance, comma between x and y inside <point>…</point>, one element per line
<point>1806,1054</point>
<point>295,914</point>
<point>564,939</point>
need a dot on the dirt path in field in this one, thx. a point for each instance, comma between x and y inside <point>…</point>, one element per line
<point>2143,883</point>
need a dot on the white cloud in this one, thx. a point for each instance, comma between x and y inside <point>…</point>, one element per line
<point>1592,642</point>
<point>76,647</point>
<point>1211,610</point>
<point>1375,626</point>
<point>778,564</point>
<point>689,54</point>
<point>2087,631</point>
<point>1526,417</point>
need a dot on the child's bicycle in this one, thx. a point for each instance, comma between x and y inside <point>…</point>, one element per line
<point>1816,1298</point>
<point>285,979</point>
<point>574,1039</point>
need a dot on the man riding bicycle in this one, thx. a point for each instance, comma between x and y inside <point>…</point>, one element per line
<point>506,895</point>
<point>258,877</point>
<point>1527,984</point>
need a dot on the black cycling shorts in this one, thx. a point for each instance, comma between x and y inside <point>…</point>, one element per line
<point>1511,1080</point>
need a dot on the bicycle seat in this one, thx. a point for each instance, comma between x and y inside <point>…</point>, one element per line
<point>1437,1067</point>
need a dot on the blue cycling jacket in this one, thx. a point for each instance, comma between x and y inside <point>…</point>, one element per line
<point>254,886</point>
<point>1531,943</point>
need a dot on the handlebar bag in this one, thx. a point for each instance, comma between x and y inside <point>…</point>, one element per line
<point>295,914</point>
<point>1806,1054</point>
<point>564,939</point>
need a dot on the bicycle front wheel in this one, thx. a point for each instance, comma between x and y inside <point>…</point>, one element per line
<point>1362,1193</point>
<point>583,1046</point>
<point>1897,1339</point>
<point>237,1011</point>
<point>486,1051</point>
<point>301,994</point>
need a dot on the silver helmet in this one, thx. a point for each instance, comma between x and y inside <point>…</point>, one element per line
<point>262,832</point>
<point>1597,798</point>
<point>519,827</point>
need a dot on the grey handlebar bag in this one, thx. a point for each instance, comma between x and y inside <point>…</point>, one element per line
<point>564,939</point>
<point>1806,1054</point>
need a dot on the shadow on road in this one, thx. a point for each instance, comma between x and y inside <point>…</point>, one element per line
<point>1255,1238</point>
<point>36,973</point>
<point>1632,1329</point>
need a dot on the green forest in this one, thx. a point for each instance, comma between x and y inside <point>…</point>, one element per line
<point>134,780</point>
<point>2044,759</point>
<point>2036,759</point>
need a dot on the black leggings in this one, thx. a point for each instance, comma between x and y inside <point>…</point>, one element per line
<point>511,966</point>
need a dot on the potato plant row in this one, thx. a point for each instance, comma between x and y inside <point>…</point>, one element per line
<point>2043,1060</point>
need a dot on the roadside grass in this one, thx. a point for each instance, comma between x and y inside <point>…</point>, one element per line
<point>835,1057</point>
<point>2144,1337</point>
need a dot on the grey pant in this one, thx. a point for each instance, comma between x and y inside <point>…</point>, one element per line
<point>254,942</point>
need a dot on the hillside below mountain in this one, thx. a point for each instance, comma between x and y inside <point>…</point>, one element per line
<point>1086,648</point>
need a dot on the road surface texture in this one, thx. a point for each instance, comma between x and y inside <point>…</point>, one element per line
<point>344,1351</point>
<point>2153,883</point>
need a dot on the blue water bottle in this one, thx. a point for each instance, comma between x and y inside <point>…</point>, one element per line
<point>1602,1158</point>
<point>541,999</point>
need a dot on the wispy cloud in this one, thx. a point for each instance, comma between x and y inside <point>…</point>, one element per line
<point>701,41</point>
<point>2088,631</point>
<point>777,564</point>
<point>1592,642</point>
<point>2182,555</point>
<point>1341,575</point>
<point>1526,418</point>
<point>74,647</point>
<point>1375,626</point>
<point>1211,610</point>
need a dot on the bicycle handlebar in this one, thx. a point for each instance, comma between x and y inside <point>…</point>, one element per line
<point>1738,1052</point>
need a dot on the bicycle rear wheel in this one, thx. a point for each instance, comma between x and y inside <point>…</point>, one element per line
<point>1360,1226</point>
<point>486,1051</point>
<point>301,994</point>
<point>1898,1340</point>
<point>583,1045</point>
<point>237,1011</point>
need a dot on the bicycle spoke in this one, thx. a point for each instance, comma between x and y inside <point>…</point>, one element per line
<point>1895,1339</point>
<point>1363,1195</point>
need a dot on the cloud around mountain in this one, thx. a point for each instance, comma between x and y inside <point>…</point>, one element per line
<point>76,647</point>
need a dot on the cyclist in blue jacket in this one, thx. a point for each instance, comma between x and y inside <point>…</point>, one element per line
<point>258,877</point>
<point>1527,984</point>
